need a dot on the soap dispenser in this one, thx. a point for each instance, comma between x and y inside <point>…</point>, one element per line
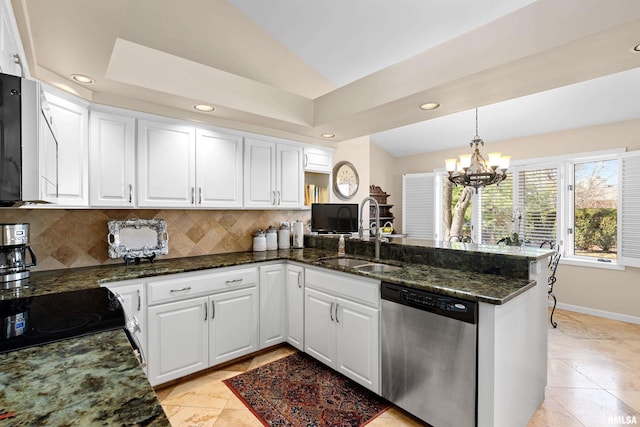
<point>341,251</point>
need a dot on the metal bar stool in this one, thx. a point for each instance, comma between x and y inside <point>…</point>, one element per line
<point>553,266</point>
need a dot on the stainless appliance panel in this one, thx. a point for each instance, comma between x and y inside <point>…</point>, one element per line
<point>28,147</point>
<point>429,365</point>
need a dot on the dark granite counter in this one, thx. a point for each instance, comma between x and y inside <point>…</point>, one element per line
<point>92,380</point>
<point>416,272</point>
<point>96,380</point>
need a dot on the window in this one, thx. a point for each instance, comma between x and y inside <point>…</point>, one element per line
<point>537,214</point>
<point>572,200</point>
<point>595,209</point>
<point>496,211</point>
<point>525,203</point>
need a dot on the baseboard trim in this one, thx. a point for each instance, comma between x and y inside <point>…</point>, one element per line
<point>599,313</point>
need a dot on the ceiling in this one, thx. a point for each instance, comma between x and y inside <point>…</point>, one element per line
<point>297,69</point>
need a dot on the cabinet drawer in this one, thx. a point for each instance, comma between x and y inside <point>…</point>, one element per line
<point>187,285</point>
<point>366,291</point>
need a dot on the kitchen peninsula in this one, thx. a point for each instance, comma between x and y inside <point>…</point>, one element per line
<point>511,293</point>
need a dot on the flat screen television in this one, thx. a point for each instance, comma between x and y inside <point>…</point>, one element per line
<point>334,217</point>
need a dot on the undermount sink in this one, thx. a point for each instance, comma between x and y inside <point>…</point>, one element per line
<point>345,262</point>
<point>361,265</point>
<point>378,267</point>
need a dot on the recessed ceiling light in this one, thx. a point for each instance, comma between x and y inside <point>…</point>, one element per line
<point>636,48</point>
<point>204,107</point>
<point>82,79</point>
<point>328,135</point>
<point>429,106</point>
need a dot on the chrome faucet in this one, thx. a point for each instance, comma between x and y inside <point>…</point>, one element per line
<point>361,229</point>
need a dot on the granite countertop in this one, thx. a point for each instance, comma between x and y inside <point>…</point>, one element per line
<point>96,380</point>
<point>93,380</point>
<point>490,288</point>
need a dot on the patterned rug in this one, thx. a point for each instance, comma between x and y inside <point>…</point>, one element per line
<point>299,391</point>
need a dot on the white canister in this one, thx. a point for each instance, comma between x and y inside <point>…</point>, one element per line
<point>284,237</point>
<point>259,241</point>
<point>272,239</point>
<point>298,235</point>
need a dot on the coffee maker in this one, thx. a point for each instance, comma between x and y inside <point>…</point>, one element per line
<point>14,246</point>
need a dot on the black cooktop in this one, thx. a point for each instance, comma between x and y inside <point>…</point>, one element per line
<point>42,319</point>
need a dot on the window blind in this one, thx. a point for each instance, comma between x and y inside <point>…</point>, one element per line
<point>537,213</point>
<point>496,211</point>
<point>418,205</point>
<point>629,209</point>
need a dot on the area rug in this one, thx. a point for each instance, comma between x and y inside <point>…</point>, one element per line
<point>299,391</point>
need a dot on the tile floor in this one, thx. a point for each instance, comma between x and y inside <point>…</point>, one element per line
<point>593,380</point>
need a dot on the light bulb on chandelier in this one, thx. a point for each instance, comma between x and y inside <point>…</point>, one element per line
<point>474,170</point>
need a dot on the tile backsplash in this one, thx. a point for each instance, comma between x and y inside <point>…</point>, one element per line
<point>63,238</point>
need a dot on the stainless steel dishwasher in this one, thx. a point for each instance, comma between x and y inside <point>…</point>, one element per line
<point>429,362</point>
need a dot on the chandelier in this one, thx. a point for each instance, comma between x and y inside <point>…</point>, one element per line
<point>474,170</point>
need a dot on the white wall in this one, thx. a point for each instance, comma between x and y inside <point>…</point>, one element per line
<point>594,289</point>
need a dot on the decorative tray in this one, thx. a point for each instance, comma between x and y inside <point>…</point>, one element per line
<point>134,239</point>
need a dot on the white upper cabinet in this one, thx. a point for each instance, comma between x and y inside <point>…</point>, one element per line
<point>181,166</point>
<point>8,42</point>
<point>273,175</point>
<point>259,173</point>
<point>218,170</point>
<point>166,165</point>
<point>290,176</point>
<point>70,122</point>
<point>112,146</point>
<point>317,159</point>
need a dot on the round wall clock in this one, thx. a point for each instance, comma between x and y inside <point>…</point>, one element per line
<point>345,180</point>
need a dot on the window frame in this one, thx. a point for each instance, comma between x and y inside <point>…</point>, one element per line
<point>568,217</point>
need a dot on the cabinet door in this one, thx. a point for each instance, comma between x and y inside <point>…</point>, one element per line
<point>290,177</point>
<point>134,307</point>
<point>295,306</point>
<point>233,329</point>
<point>166,164</point>
<point>70,122</point>
<point>317,160</point>
<point>9,46</point>
<point>259,174</point>
<point>358,352</point>
<point>111,159</point>
<point>218,170</point>
<point>320,326</point>
<point>178,339</point>
<point>273,309</point>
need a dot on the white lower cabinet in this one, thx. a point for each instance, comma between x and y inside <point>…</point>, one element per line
<point>294,282</point>
<point>178,339</point>
<point>273,305</point>
<point>133,299</point>
<point>200,320</point>
<point>343,333</point>
<point>233,328</point>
